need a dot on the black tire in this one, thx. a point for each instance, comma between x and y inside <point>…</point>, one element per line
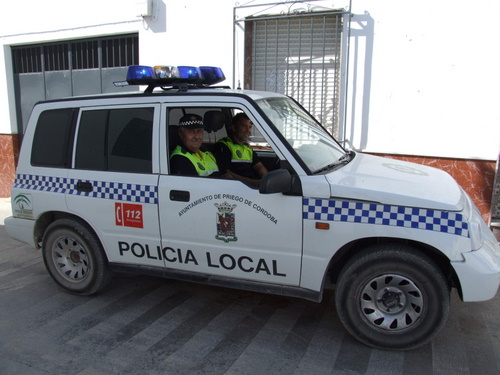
<point>392,297</point>
<point>74,257</point>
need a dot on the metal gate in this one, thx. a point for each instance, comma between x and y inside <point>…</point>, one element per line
<point>65,69</point>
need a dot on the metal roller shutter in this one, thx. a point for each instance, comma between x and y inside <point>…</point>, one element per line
<point>298,55</point>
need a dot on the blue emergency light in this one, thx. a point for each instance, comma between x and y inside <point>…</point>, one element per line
<point>174,75</point>
<point>139,74</point>
<point>212,74</point>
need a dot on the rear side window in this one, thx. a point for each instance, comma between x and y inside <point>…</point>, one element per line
<point>118,140</point>
<point>52,140</point>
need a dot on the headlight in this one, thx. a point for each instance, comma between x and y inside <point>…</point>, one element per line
<point>476,233</point>
<point>476,223</point>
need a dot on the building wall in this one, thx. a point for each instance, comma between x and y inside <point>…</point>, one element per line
<point>422,78</point>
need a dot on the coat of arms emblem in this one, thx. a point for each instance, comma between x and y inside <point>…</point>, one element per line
<point>225,222</point>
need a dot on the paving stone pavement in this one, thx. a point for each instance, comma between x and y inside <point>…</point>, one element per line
<point>145,325</point>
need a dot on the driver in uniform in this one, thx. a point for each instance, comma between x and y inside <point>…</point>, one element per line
<point>188,159</point>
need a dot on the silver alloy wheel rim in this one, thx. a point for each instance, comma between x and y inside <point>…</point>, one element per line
<point>391,302</point>
<point>71,259</point>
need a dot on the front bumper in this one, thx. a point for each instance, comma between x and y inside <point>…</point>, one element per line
<point>479,272</point>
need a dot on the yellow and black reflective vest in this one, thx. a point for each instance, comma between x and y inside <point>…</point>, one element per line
<point>239,153</point>
<point>204,162</point>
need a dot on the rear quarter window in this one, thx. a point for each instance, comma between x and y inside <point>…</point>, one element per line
<point>52,143</point>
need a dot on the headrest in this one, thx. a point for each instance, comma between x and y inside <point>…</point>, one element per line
<point>213,120</point>
<point>173,137</point>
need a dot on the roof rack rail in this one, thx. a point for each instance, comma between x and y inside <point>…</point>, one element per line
<point>181,87</point>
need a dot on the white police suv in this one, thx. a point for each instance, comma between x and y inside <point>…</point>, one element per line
<point>94,191</point>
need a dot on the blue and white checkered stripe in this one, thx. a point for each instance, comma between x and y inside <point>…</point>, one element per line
<point>101,189</point>
<point>379,214</point>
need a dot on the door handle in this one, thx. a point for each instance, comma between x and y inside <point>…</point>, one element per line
<point>179,195</point>
<point>84,186</point>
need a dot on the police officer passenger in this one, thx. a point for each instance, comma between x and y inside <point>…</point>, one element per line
<point>188,159</point>
<point>235,157</point>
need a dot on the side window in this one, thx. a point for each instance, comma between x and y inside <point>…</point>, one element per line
<point>118,140</point>
<point>51,142</point>
<point>216,127</point>
<point>130,140</point>
<point>91,146</point>
<point>217,123</point>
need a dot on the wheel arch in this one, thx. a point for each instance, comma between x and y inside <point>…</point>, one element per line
<point>49,217</point>
<point>346,252</point>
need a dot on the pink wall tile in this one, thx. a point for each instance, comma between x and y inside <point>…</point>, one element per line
<point>9,146</point>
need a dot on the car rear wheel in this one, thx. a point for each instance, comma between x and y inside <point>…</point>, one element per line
<point>392,297</point>
<point>74,257</point>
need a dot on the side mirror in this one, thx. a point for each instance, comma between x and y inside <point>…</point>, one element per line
<point>277,181</point>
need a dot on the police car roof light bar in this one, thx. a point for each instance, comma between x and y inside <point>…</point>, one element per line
<point>172,76</point>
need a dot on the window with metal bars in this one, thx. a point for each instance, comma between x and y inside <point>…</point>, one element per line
<point>85,54</point>
<point>56,57</point>
<point>120,52</point>
<point>27,59</point>
<point>81,54</point>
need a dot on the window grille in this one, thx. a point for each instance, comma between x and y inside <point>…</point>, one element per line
<point>56,57</point>
<point>27,60</point>
<point>83,54</point>
<point>120,52</point>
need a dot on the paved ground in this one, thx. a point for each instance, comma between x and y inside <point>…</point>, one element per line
<point>142,325</point>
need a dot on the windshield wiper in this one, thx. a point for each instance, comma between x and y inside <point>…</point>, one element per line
<point>344,159</point>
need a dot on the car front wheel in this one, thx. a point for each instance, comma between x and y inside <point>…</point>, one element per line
<point>392,297</point>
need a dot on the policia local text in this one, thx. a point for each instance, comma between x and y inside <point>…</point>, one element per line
<point>227,261</point>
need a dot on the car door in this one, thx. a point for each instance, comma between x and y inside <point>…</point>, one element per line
<point>221,227</point>
<point>114,179</point>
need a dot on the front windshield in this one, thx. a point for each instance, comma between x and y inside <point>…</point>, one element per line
<point>317,149</point>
